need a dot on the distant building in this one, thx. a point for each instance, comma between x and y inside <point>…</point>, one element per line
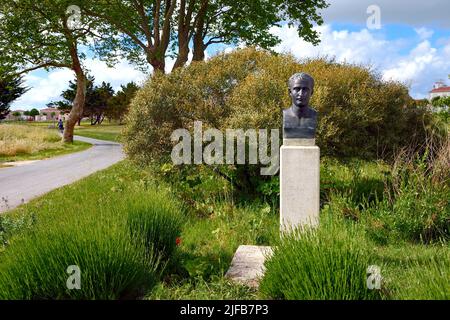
<point>49,114</point>
<point>440,89</point>
<point>11,117</point>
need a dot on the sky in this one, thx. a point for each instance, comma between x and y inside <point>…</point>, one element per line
<point>410,42</point>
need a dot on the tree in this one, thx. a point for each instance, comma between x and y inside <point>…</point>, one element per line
<point>157,28</point>
<point>34,112</point>
<point>96,101</point>
<point>43,34</point>
<point>10,89</point>
<point>119,104</point>
<point>16,114</point>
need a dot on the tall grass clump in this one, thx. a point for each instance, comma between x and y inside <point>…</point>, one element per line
<point>416,204</point>
<point>329,263</point>
<point>111,265</point>
<point>22,139</point>
<point>121,234</point>
<point>156,221</point>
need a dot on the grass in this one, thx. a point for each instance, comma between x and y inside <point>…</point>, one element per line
<point>105,131</point>
<point>87,224</point>
<point>329,263</point>
<point>415,272</point>
<point>23,142</point>
<point>216,223</point>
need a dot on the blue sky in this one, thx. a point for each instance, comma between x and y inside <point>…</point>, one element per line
<point>412,46</point>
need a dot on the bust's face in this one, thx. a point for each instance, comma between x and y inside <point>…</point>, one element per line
<point>300,92</point>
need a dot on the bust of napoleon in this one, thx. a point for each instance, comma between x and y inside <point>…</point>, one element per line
<point>300,121</point>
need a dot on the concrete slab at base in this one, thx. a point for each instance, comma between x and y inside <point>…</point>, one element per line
<point>247,266</point>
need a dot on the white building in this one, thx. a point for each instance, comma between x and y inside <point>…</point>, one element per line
<point>439,90</point>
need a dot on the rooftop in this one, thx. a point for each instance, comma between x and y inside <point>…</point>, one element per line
<point>441,89</point>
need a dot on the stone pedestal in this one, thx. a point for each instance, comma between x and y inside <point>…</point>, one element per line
<point>299,186</point>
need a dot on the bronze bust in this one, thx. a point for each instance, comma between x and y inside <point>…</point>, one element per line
<point>300,121</point>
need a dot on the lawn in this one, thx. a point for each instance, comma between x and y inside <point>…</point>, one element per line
<point>215,225</point>
<point>19,142</point>
<point>105,131</point>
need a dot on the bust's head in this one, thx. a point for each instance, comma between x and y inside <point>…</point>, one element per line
<point>300,88</point>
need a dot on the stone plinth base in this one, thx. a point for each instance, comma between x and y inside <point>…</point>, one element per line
<point>247,266</point>
<point>299,186</point>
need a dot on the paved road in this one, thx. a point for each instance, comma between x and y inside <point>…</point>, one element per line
<point>23,183</point>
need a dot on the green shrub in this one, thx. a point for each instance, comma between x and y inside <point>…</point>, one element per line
<point>111,266</point>
<point>156,221</point>
<point>328,263</point>
<point>360,115</point>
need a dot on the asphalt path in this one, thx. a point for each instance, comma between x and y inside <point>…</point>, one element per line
<point>22,183</point>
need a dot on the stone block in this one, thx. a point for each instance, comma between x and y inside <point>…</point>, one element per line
<point>299,186</point>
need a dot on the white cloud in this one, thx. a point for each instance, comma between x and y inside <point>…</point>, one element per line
<point>424,33</point>
<point>421,67</point>
<point>121,73</point>
<point>43,89</point>
<point>344,46</point>
<point>47,87</point>
<point>418,68</point>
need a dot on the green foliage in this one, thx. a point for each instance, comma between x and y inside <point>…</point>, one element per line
<point>360,115</point>
<point>202,23</point>
<point>217,288</point>
<point>114,242</point>
<point>408,203</point>
<point>157,221</point>
<point>440,101</point>
<point>418,272</point>
<point>118,105</point>
<point>96,103</point>
<point>34,112</point>
<point>36,35</point>
<point>34,267</point>
<point>328,263</point>
<point>10,89</point>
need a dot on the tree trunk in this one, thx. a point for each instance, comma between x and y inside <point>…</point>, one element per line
<point>199,49</point>
<point>78,105</point>
<point>183,50</point>
<point>157,64</point>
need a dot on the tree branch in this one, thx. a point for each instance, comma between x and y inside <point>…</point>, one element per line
<point>44,65</point>
<point>156,10</point>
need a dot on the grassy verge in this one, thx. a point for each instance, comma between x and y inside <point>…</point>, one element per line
<point>110,132</point>
<point>120,246</point>
<point>105,131</point>
<point>216,223</point>
<point>23,142</point>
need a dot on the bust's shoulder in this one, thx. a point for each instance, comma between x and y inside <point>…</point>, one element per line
<point>287,113</point>
<point>312,112</point>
